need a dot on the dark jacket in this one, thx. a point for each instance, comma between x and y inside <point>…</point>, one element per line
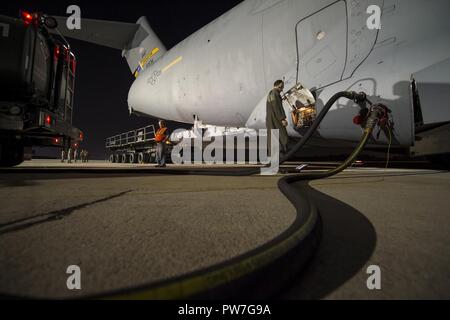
<point>275,115</point>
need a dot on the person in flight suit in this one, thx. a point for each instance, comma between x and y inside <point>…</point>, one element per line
<point>276,116</point>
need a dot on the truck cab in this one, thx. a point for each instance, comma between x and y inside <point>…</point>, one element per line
<point>37,81</point>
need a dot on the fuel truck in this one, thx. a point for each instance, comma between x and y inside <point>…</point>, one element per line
<point>37,82</point>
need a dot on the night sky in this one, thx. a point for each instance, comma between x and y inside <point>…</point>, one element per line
<point>103,76</point>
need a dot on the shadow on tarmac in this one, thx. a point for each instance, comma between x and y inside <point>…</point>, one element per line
<point>348,241</point>
<point>35,220</point>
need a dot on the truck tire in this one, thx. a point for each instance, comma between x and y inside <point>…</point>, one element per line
<point>11,154</point>
<point>132,158</point>
<point>117,158</point>
<point>124,158</point>
<point>112,158</point>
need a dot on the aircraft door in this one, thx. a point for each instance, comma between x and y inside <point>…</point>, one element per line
<point>433,88</point>
<point>322,46</point>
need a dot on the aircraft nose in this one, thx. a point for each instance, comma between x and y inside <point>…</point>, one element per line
<point>144,97</point>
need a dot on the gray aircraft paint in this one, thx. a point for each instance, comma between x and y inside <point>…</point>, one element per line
<point>223,72</point>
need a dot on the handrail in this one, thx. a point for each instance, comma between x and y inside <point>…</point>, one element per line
<point>141,135</point>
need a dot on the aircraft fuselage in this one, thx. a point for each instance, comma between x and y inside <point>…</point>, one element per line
<point>223,72</point>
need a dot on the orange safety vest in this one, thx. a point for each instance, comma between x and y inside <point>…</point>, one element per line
<point>161,135</point>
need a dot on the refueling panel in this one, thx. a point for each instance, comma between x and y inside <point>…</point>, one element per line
<point>303,105</point>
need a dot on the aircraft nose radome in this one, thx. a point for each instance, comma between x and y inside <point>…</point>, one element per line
<point>143,98</point>
<point>133,95</point>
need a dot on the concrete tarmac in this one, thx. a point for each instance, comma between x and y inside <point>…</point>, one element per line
<point>398,220</point>
<point>127,230</point>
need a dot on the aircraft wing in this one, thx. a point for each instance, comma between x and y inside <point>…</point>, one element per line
<point>139,44</point>
<point>112,34</point>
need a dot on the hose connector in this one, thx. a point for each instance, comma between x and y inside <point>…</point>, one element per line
<point>359,97</point>
<point>355,96</point>
<point>376,114</point>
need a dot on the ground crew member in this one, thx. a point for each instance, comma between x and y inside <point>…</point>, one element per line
<point>275,116</point>
<point>86,156</point>
<point>69,155</point>
<point>161,137</point>
<point>63,155</point>
<point>75,155</point>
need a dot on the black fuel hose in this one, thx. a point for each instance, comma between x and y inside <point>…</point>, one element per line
<point>348,162</point>
<point>266,270</point>
<point>357,97</point>
<point>351,95</point>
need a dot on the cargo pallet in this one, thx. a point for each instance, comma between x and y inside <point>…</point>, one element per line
<point>136,146</point>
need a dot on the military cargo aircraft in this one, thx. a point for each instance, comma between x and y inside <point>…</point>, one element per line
<point>222,73</point>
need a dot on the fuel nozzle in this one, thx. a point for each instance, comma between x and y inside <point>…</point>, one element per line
<point>378,115</point>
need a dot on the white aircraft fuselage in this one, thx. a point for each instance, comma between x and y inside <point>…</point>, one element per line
<point>223,72</point>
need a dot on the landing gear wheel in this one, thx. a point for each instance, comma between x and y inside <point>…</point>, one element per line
<point>117,158</point>
<point>112,158</point>
<point>141,158</point>
<point>124,158</point>
<point>132,158</point>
